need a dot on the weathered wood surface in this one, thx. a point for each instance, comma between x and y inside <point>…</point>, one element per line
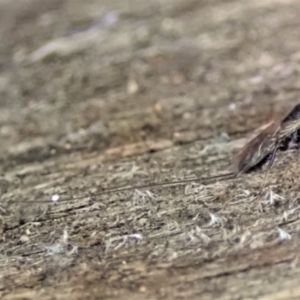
<point>153,91</point>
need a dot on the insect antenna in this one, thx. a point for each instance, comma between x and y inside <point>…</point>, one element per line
<point>227,176</point>
<point>271,162</point>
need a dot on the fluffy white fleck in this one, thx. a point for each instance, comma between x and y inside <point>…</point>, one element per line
<point>283,235</point>
<point>54,249</point>
<point>271,197</point>
<point>246,192</point>
<point>122,240</point>
<point>246,238</point>
<point>232,106</point>
<point>144,195</point>
<point>55,198</point>
<point>135,236</point>
<point>215,220</point>
<point>65,237</point>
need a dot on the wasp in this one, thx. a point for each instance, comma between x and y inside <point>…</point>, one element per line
<point>279,135</point>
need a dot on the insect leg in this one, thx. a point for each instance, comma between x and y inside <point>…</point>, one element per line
<point>271,161</point>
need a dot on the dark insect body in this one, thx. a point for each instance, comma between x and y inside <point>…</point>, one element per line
<point>280,135</point>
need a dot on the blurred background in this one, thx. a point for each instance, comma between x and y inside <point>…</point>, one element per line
<point>94,75</point>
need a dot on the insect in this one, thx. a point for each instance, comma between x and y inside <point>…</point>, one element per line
<point>279,135</point>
